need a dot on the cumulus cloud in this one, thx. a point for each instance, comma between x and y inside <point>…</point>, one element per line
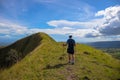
<point>73,24</point>
<point>111,24</point>
<point>76,28</point>
<point>62,23</point>
<point>11,28</point>
<point>108,25</point>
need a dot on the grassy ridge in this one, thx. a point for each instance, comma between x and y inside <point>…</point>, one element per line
<point>20,49</point>
<point>48,61</point>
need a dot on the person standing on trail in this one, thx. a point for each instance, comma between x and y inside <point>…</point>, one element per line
<point>70,49</point>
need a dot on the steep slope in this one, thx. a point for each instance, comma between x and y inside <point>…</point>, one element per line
<point>20,49</point>
<point>48,61</point>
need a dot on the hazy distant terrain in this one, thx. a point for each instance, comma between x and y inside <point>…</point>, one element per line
<point>111,47</point>
<point>115,52</point>
<point>105,44</point>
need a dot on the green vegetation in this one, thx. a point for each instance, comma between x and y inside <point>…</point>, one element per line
<point>12,57</point>
<point>115,52</point>
<point>48,61</point>
<point>21,48</point>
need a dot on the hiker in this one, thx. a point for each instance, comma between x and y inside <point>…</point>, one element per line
<point>70,49</point>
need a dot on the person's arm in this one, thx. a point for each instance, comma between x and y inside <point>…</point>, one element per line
<point>64,44</point>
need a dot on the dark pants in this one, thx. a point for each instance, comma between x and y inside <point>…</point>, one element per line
<point>70,50</point>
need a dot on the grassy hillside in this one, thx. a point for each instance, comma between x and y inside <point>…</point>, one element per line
<point>20,48</point>
<point>115,52</point>
<point>48,61</point>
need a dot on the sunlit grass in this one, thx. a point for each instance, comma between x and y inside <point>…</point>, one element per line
<point>44,63</point>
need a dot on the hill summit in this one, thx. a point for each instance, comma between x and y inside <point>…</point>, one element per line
<point>39,57</point>
<point>22,47</point>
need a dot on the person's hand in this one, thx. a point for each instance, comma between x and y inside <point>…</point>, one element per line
<point>64,44</point>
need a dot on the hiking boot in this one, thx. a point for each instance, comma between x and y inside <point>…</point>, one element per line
<point>72,62</point>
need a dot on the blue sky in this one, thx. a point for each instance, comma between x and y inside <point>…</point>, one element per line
<point>86,20</point>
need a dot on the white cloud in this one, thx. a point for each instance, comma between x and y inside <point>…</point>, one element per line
<point>67,28</point>
<point>73,24</point>
<point>105,26</point>
<point>11,28</point>
<point>63,31</point>
<point>117,38</point>
<point>76,28</point>
<point>111,21</point>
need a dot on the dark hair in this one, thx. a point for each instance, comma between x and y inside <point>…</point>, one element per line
<point>70,36</point>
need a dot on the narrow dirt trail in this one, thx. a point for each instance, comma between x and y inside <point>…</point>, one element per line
<point>70,74</point>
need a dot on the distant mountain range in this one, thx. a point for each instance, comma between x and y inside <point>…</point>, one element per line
<point>105,44</point>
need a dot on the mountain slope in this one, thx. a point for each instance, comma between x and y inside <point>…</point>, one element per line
<point>48,61</point>
<point>20,48</point>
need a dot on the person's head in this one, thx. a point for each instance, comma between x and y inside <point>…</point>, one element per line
<point>70,36</point>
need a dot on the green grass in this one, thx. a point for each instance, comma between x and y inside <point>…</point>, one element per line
<point>115,52</point>
<point>48,61</point>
